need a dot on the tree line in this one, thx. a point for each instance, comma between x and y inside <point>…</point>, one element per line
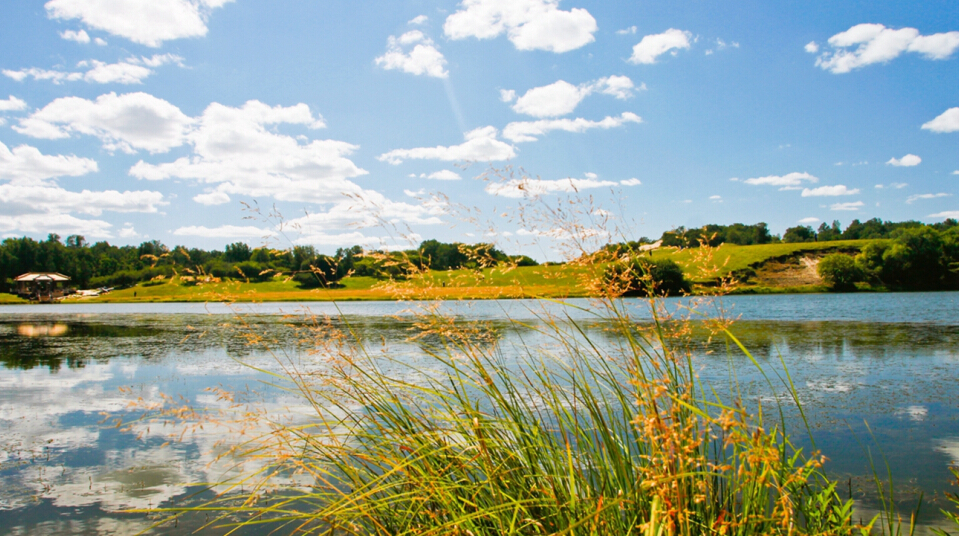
<point>748,235</point>
<point>102,264</point>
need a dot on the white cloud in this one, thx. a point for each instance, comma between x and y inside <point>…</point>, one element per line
<point>896,185</point>
<point>561,97</point>
<point>909,160</point>
<point>50,199</point>
<point>423,58</point>
<point>31,202</point>
<point>716,197</point>
<point>234,150</point>
<point>125,122</point>
<point>653,46</point>
<point>954,214</point>
<point>525,131</point>
<point>722,45</point>
<point>57,77</point>
<point>519,188</point>
<point>529,24</point>
<point>212,198</point>
<point>793,180</point>
<point>812,48</point>
<point>809,220</point>
<point>480,145</point>
<point>25,164</point>
<point>829,191</point>
<point>558,98</point>
<point>847,206</point>
<point>78,36</point>
<point>63,224</point>
<point>129,71</point>
<point>948,121</point>
<point>874,43</point>
<point>627,31</point>
<point>224,231</point>
<point>631,182</point>
<point>100,42</point>
<point>913,198</point>
<point>147,22</point>
<point>620,87</point>
<point>12,104</point>
<point>128,231</point>
<point>444,175</point>
<point>507,95</point>
<point>420,19</point>
<point>365,210</point>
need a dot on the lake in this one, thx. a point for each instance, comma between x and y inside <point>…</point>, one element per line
<point>876,375</point>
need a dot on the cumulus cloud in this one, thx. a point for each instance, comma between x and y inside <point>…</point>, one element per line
<point>855,205</point>
<point>829,191</point>
<point>913,198</point>
<point>147,22</point>
<point>25,164</point>
<point>525,131</point>
<point>507,95</point>
<point>519,188</point>
<point>122,122</point>
<point>791,180</point>
<point>896,185</point>
<point>212,198</point>
<point>558,98</point>
<point>12,104</point>
<point>224,231</point>
<point>631,182</point>
<point>420,19</point>
<point>64,224</point>
<point>954,214</point>
<point>812,47</point>
<point>31,201</point>
<point>948,121</point>
<point>561,97</point>
<point>529,24</point>
<point>234,150</point>
<point>627,31</point>
<point>444,175</point>
<point>866,44</point>
<point>45,198</point>
<point>78,36</point>
<point>422,58</point>
<point>809,220</point>
<point>132,70</point>
<point>909,160</point>
<point>481,145</point>
<point>654,46</point>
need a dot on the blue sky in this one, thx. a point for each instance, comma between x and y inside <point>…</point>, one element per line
<point>130,120</point>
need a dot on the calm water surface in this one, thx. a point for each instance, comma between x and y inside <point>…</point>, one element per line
<point>889,360</point>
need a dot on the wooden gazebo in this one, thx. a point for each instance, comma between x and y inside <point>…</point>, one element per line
<point>42,286</point>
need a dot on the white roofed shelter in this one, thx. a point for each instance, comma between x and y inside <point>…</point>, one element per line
<point>41,286</point>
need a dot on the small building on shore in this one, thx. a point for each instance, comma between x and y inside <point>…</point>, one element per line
<point>43,287</point>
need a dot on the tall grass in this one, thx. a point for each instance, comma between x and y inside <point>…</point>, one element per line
<point>595,427</point>
<point>577,436</point>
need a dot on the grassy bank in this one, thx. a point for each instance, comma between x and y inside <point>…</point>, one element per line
<point>552,281</point>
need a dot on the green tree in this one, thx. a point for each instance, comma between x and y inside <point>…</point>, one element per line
<point>642,276</point>
<point>801,233</point>
<point>839,271</point>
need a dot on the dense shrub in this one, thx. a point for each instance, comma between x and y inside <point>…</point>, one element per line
<point>840,271</point>
<point>642,276</point>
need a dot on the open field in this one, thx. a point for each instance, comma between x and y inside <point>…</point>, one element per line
<point>778,268</point>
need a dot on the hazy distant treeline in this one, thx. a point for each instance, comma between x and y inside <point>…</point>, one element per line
<point>102,264</point>
<point>748,235</point>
